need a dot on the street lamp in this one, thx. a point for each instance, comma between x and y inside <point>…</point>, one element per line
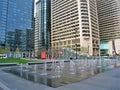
<point>76,41</point>
<point>59,50</point>
<point>88,47</point>
<point>76,50</point>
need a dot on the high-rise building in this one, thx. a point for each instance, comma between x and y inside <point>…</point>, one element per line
<point>74,24</point>
<point>109,25</point>
<point>42,26</point>
<point>16,22</point>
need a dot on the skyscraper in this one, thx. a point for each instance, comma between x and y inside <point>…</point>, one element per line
<point>109,25</point>
<point>16,22</point>
<point>42,26</point>
<point>74,24</point>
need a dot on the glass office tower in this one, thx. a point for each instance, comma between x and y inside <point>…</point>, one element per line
<point>16,24</point>
<point>42,26</point>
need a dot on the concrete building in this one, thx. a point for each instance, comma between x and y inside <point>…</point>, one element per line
<point>42,26</point>
<point>74,24</point>
<point>109,25</point>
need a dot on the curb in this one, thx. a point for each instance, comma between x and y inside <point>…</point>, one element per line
<point>4,87</point>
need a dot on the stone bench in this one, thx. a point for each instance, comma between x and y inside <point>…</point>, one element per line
<point>8,64</point>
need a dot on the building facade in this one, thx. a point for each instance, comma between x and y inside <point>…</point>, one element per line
<point>42,26</point>
<point>74,24</point>
<point>16,22</point>
<point>109,23</point>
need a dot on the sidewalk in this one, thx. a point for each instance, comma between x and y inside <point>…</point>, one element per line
<point>109,80</point>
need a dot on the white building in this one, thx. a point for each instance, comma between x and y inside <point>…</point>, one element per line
<point>74,24</point>
<point>109,24</point>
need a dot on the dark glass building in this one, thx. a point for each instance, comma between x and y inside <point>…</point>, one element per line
<point>42,26</point>
<point>16,24</point>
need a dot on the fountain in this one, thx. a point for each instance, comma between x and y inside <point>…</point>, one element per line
<point>44,71</point>
<point>32,68</point>
<point>53,65</point>
<point>72,67</point>
<point>21,66</point>
<point>35,68</point>
<point>60,72</point>
<point>62,64</point>
<point>21,69</point>
<point>26,68</point>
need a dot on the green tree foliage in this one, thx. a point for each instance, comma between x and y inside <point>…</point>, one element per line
<point>1,50</point>
<point>17,50</point>
<point>84,50</point>
<point>4,51</point>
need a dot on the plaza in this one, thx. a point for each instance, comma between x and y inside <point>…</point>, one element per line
<point>108,80</point>
<point>59,45</point>
<point>102,80</point>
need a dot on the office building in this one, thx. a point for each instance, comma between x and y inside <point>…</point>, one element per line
<point>42,27</point>
<point>74,24</point>
<point>109,25</point>
<point>16,22</point>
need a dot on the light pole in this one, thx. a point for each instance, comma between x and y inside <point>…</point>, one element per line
<point>88,48</point>
<point>76,50</point>
<point>59,48</point>
<point>76,41</point>
<point>49,52</point>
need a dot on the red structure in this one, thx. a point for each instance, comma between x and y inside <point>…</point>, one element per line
<point>43,55</point>
<point>60,52</point>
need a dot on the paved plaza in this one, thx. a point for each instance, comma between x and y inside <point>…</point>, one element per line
<point>109,80</point>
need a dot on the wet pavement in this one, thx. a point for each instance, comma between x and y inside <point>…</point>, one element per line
<point>109,80</point>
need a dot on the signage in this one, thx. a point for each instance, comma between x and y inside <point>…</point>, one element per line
<point>60,52</point>
<point>43,55</point>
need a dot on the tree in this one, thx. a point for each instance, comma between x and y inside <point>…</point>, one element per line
<point>84,50</point>
<point>4,51</point>
<point>1,51</point>
<point>17,51</point>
